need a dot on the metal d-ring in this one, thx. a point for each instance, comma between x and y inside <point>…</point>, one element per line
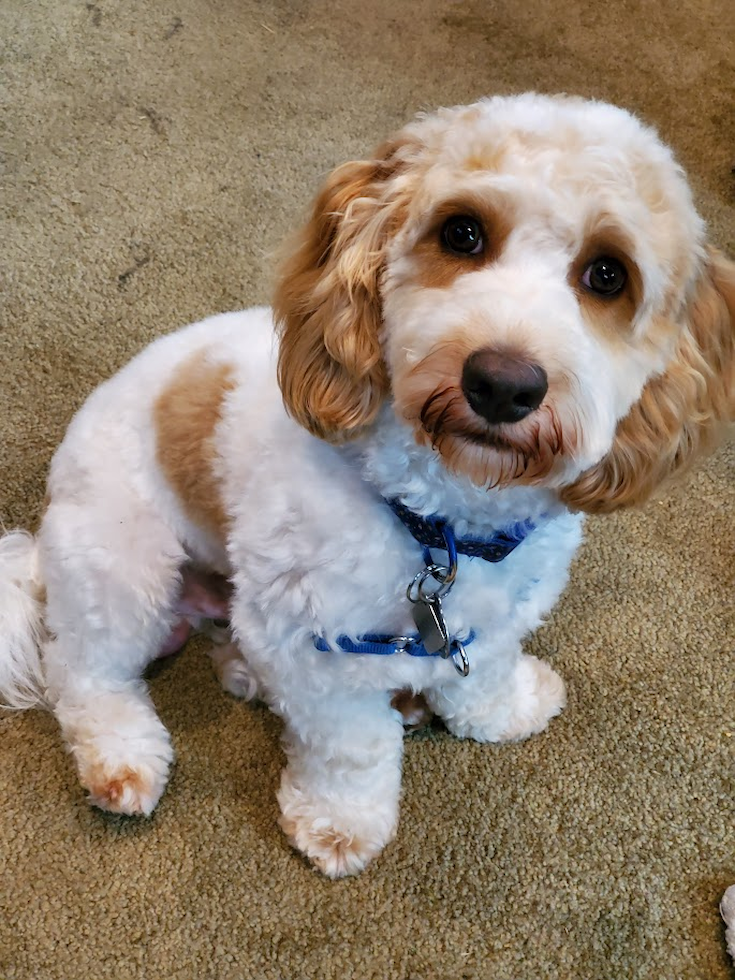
<point>460,659</point>
<point>416,591</point>
<point>443,574</point>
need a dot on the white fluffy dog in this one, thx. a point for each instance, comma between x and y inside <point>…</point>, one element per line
<point>508,316</point>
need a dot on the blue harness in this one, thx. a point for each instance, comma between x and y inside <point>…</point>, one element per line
<point>433,532</point>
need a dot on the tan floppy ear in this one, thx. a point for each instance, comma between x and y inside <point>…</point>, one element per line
<point>327,302</point>
<point>680,412</point>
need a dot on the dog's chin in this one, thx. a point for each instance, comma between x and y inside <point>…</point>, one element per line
<point>537,451</point>
<point>494,462</point>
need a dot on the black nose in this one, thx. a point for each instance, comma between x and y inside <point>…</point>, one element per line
<point>502,388</point>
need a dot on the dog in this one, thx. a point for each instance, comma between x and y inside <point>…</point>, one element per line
<point>507,317</point>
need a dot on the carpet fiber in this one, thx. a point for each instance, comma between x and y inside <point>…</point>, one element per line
<point>154,154</point>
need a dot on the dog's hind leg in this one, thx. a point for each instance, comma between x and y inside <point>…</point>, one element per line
<point>112,578</point>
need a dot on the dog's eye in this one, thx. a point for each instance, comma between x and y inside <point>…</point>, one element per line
<point>463,235</point>
<point>605,276</point>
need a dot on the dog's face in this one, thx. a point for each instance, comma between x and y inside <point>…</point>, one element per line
<point>527,279</point>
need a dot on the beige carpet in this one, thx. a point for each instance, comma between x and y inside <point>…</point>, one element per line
<point>153,155</point>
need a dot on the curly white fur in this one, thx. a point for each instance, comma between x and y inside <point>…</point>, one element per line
<point>187,455</point>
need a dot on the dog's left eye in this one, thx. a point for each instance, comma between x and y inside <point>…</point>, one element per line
<point>463,235</point>
<point>605,276</point>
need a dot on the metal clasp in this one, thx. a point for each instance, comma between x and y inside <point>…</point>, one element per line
<point>427,602</point>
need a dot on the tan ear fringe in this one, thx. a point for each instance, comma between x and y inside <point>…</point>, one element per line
<point>327,302</point>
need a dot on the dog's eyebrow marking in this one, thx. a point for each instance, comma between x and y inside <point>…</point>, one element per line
<point>614,317</point>
<point>185,417</point>
<point>437,267</point>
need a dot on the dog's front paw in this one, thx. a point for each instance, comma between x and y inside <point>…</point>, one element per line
<point>539,695</point>
<point>339,837</point>
<point>123,756</point>
<point>133,790</point>
<point>524,706</point>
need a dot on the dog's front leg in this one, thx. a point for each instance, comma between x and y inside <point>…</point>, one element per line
<point>502,699</point>
<point>340,790</point>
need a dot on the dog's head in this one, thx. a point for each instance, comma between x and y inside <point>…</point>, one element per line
<point>527,278</point>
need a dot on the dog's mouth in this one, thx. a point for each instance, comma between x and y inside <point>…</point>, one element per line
<point>527,451</point>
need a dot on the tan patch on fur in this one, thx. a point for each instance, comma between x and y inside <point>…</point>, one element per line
<point>335,852</point>
<point>336,841</point>
<point>185,418</point>
<point>438,267</point>
<point>338,853</point>
<point>487,158</point>
<point>108,790</point>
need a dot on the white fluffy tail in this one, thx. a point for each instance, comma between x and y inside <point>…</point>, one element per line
<point>21,622</point>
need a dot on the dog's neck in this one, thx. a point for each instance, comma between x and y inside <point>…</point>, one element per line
<point>396,466</point>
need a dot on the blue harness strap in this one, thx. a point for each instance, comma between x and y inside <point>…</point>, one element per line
<point>384,645</point>
<point>428,531</point>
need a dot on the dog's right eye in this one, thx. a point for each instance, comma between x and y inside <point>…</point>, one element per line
<point>462,235</point>
<point>605,276</point>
